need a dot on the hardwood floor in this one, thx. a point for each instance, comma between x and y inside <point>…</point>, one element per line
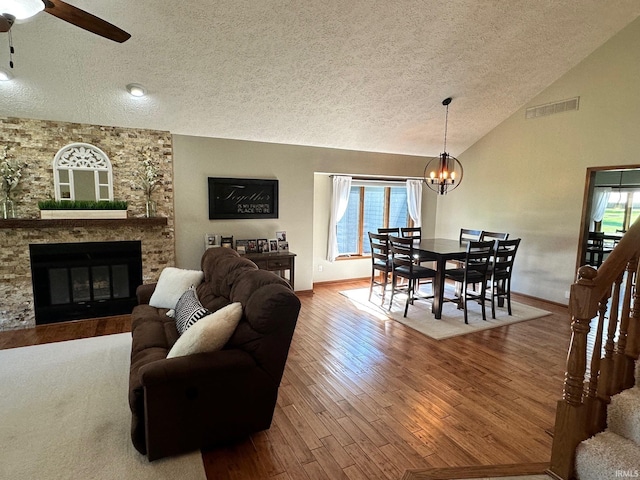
<point>368,398</point>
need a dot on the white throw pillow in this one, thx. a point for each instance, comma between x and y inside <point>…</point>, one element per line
<point>209,333</point>
<point>173,282</point>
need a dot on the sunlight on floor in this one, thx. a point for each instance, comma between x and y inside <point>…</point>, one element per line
<point>518,477</point>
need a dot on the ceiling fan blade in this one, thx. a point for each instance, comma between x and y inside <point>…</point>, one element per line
<point>5,23</point>
<point>85,20</point>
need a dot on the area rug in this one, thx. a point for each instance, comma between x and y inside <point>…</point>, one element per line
<point>64,415</point>
<point>420,318</point>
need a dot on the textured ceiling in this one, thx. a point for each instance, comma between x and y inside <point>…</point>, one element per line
<point>358,74</point>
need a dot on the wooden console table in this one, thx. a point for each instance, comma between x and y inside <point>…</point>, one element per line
<point>275,262</point>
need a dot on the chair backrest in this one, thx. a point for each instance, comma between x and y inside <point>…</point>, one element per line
<point>467,235</point>
<point>402,252</point>
<point>479,255</point>
<point>504,256</point>
<point>392,231</point>
<point>486,236</point>
<point>379,243</point>
<point>596,239</point>
<point>414,232</point>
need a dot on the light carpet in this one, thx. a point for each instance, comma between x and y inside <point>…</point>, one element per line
<point>64,414</point>
<point>420,318</point>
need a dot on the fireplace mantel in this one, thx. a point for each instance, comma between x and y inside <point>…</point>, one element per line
<point>81,222</point>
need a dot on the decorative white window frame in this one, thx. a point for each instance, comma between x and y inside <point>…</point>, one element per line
<point>86,157</point>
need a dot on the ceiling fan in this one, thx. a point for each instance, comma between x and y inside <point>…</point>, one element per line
<point>12,10</point>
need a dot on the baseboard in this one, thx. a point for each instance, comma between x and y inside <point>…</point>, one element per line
<point>538,299</point>
<point>342,280</point>
<point>304,293</point>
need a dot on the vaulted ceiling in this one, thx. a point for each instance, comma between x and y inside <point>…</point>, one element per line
<point>360,74</point>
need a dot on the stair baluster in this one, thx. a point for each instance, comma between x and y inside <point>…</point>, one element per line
<point>582,411</point>
<point>605,385</point>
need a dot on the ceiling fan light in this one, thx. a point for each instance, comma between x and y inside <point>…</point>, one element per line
<point>136,90</point>
<point>21,9</point>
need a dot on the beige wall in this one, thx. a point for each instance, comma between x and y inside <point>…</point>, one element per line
<point>527,176</point>
<point>197,158</point>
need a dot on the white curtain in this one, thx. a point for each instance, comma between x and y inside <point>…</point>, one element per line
<point>414,201</point>
<point>339,202</point>
<point>599,205</point>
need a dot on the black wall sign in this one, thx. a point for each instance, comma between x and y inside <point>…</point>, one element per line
<point>242,198</point>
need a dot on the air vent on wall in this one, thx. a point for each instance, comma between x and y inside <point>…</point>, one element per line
<point>551,108</point>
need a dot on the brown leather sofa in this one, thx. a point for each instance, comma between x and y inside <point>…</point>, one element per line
<point>210,399</point>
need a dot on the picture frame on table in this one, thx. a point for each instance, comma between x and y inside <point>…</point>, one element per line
<point>242,246</point>
<point>252,246</point>
<point>283,246</point>
<point>263,245</point>
<point>211,240</point>
<point>273,245</point>
<point>281,236</point>
<point>226,242</point>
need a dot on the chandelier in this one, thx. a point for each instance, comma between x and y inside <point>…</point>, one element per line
<point>443,173</point>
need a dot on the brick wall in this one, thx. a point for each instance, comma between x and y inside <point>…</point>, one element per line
<point>35,143</point>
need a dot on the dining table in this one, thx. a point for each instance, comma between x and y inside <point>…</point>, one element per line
<point>440,250</point>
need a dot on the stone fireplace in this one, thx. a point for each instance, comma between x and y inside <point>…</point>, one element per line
<point>35,142</point>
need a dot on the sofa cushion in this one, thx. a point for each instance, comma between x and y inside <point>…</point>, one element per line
<point>153,337</point>
<point>221,267</point>
<point>189,310</point>
<point>173,282</point>
<point>208,334</point>
<point>142,313</point>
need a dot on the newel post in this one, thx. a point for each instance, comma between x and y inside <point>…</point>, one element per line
<point>571,425</point>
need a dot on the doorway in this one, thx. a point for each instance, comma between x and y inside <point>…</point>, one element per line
<point>611,204</point>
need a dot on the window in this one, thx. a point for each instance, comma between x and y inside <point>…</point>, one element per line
<point>622,210</point>
<point>371,207</point>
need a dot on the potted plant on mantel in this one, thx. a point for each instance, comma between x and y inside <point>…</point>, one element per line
<point>69,209</point>
<point>10,173</point>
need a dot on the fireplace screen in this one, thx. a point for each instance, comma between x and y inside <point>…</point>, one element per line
<point>73,281</point>
<point>105,282</point>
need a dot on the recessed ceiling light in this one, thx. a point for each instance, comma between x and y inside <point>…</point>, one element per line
<point>136,90</point>
<point>5,75</point>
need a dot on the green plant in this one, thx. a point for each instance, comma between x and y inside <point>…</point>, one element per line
<point>10,172</point>
<point>82,205</point>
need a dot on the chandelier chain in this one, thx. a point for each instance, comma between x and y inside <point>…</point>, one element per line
<point>446,123</point>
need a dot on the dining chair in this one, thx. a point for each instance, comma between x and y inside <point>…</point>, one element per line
<point>474,272</point>
<point>415,233</point>
<point>403,266</point>
<point>380,262</point>
<point>468,235</point>
<point>596,249</point>
<point>500,273</point>
<point>390,231</point>
<point>486,236</point>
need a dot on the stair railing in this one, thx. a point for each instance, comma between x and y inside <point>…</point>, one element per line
<point>590,382</point>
